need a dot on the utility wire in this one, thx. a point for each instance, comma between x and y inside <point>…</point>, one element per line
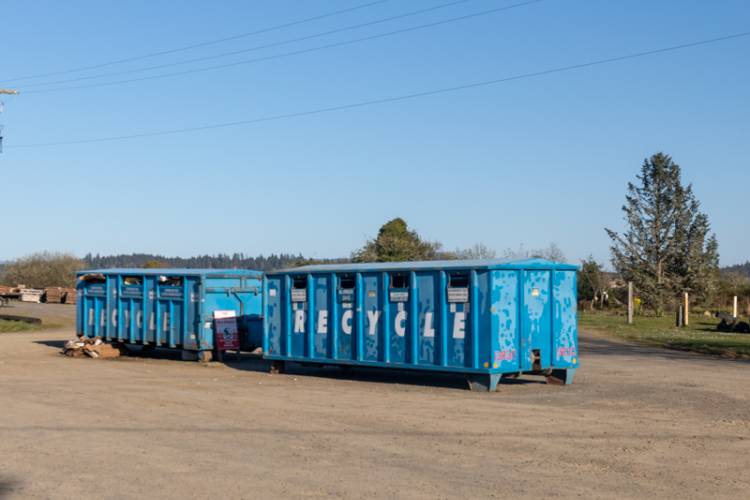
<point>201,44</point>
<point>403,97</point>
<point>264,46</point>
<point>287,54</point>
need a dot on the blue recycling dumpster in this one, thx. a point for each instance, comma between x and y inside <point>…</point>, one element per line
<point>485,319</point>
<point>169,307</point>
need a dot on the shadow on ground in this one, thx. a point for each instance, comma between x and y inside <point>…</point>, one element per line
<point>7,486</point>
<point>255,363</point>
<point>366,374</point>
<point>55,344</point>
<point>133,351</point>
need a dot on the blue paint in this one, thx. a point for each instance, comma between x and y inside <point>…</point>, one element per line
<point>505,345</point>
<point>360,318</point>
<point>426,302</point>
<point>310,319</point>
<point>565,320</point>
<point>372,306</point>
<point>320,324</point>
<point>536,334</point>
<point>473,317</point>
<point>168,307</point>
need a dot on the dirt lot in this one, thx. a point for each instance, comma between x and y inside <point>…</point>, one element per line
<point>638,422</point>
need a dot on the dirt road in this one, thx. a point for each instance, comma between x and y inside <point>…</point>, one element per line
<point>638,422</point>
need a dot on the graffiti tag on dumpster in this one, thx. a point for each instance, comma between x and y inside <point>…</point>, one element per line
<point>566,352</point>
<point>507,355</point>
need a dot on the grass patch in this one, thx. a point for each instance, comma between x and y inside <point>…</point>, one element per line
<point>700,336</point>
<point>7,326</point>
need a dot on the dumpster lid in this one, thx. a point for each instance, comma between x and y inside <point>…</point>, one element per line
<point>434,265</point>
<point>174,271</point>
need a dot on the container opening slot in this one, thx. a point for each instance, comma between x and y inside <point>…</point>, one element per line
<point>399,281</point>
<point>93,278</point>
<point>536,357</point>
<point>170,280</point>
<point>458,280</point>
<point>299,288</point>
<point>132,280</point>
<point>299,282</point>
<point>347,282</point>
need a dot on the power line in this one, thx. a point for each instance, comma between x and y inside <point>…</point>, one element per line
<point>288,54</point>
<point>267,45</point>
<point>403,97</point>
<point>201,44</point>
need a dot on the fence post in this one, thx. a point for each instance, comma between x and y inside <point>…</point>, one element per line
<point>679,319</point>
<point>734,307</point>
<point>630,302</point>
<point>686,312</point>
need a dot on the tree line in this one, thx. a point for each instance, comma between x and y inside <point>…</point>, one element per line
<point>225,261</point>
<point>395,241</point>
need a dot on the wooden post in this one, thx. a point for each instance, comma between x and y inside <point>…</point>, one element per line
<point>630,302</point>
<point>686,306</point>
<point>734,307</point>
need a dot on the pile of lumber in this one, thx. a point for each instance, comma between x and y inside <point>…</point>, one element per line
<point>53,294</point>
<point>31,295</point>
<point>93,348</point>
<point>69,295</point>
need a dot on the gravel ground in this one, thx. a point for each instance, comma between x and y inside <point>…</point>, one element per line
<point>638,422</point>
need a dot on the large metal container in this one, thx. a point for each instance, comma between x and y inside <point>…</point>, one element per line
<point>168,307</point>
<point>484,319</point>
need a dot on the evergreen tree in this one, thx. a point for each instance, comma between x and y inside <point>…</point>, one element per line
<point>666,248</point>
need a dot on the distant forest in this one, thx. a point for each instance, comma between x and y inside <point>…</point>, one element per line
<point>740,269</point>
<point>220,261</point>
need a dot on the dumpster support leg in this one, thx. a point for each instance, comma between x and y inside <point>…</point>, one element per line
<point>483,382</point>
<point>561,377</point>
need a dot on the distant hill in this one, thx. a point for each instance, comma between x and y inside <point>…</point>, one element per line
<point>220,261</point>
<point>741,269</point>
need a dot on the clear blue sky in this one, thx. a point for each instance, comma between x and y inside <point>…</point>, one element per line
<point>525,162</point>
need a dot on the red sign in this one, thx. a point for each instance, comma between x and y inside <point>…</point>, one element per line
<point>227,337</point>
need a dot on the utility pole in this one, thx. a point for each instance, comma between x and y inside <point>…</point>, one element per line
<point>4,92</point>
<point>630,302</point>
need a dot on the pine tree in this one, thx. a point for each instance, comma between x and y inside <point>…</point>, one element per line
<point>666,248</point>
